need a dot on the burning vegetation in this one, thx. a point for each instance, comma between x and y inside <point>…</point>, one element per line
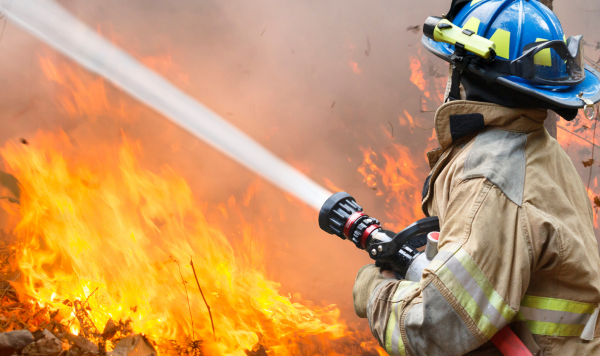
<point>101,256</point>
<point>104,249</point>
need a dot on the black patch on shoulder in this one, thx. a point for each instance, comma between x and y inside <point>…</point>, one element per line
<point>465,124</point>
<point>426,187</point>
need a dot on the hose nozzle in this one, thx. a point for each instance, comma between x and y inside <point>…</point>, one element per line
<point>340,215</point>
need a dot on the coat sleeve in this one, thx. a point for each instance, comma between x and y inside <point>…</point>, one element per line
<point>470,291</point>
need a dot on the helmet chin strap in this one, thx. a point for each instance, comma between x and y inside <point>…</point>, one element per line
<point>460,60</point>
<point>454,80</point>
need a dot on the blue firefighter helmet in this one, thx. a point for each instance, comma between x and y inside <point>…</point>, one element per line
<point>530,52</point>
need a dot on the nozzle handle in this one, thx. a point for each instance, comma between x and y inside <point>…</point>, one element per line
<point>419,227</point>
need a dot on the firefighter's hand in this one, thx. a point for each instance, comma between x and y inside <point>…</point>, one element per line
<point>388,274</point>
<point>368,278</point>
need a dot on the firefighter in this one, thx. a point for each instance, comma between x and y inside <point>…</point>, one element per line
<point>517,245</point>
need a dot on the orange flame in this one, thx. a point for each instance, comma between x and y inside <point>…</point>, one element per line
<point>94,226</point>
<point>416,76</point>
<point>435,81</point>
<point>397,174</point>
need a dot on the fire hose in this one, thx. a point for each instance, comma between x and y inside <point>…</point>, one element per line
<point>340,215</point>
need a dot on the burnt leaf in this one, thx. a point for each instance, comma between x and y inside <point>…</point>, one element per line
<point>596,202</point>
<point>588,163</point>
<point>10,182</point>
<point>413,29</point>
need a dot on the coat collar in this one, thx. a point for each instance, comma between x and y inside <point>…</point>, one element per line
<point>461,118</point>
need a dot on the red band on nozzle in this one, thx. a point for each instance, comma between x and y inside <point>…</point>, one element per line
<point>368,231</point>
<point>351,220</point>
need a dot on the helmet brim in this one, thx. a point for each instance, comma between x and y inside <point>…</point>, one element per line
<point>565,97</point>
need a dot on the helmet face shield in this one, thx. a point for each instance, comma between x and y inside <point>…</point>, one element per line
<point>552,62</point>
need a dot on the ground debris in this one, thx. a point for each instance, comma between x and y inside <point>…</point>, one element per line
<point>110,329</point>
<point>135,345</point>
<point>18,314</point>
<point>81,345</point>
<point>82,313</point>
<point>172,347</point>
<point>14,341</point>
<point>46,345</point>
<point>7,290</point>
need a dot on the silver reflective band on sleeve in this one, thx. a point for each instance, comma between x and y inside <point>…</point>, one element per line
<point>475,293</point>
<point>393,340</point>
<point>558,317</point>
<point>443,255</point>
<point>433,327</point>
<point>553,316</point>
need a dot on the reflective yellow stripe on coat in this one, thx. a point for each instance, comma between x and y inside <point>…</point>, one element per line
<point>457,270</point>
<point>554,317</point>
<point>394,345</point>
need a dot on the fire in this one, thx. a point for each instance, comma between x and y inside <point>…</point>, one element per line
<point>578,138</point>
<point>430,80</point>
<point>416,76</point>
<point>94,229</point>
<point>116,235</point>
<point>394,172</point>
<point>396,177</point>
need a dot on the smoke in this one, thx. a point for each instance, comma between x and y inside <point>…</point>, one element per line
<point>313,81</point>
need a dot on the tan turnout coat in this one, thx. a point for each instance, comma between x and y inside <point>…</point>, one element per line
<point>517,245</point>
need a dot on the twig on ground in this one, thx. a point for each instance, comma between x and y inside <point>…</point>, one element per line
<point>186,294</point>
<point>88,297</point>
<point>205,302</point>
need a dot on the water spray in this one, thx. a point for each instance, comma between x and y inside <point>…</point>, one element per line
<point>53,25</point>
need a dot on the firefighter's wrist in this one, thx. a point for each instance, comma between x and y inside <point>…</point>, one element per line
<point>387,274</point>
